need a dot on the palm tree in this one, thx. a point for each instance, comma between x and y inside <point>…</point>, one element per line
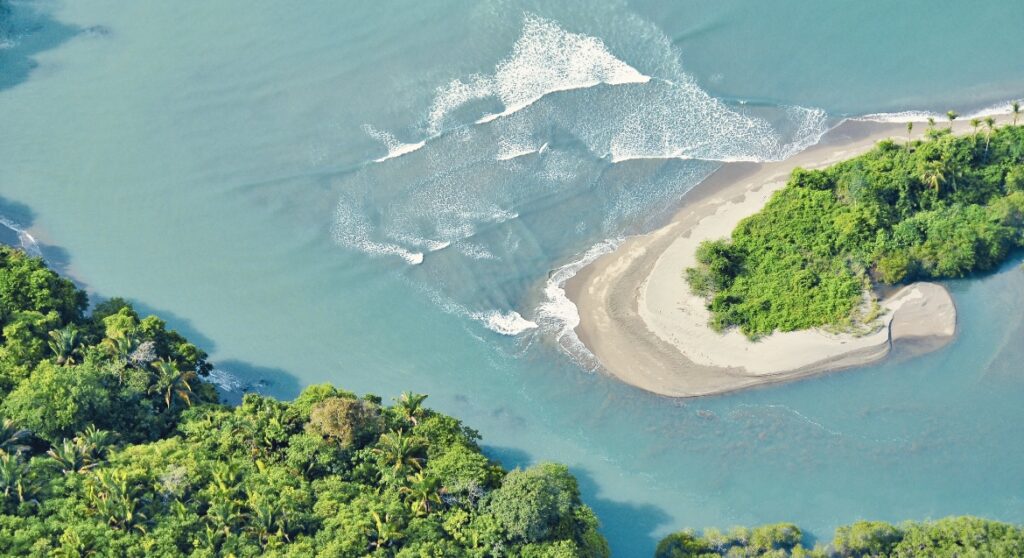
<point>422,492</point>
<point>267,519</point>
<point>17,486</point>
<point>910,128</point>
<point>65,344</point>
<point>400,452</point>
<point>411,406</point>
<point>382,534</point>
<point>121,348</point>
<point>168,381</point>
<point>975,123</point>
<point>82,453</point>
<point>95,441</point>
<point>112,497</point>
<point>952,115</point>
<point>224,513</point>
<point>990,123</point>
<point>951,171</point>
<point>933,175</point>
<point>11,437</point>
<point>70,458</point>
<point>1015,111</point>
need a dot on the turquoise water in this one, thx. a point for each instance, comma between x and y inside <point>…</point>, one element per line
<point>218,163</point>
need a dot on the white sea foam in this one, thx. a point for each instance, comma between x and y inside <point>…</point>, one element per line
<point>225,380</point>
<point>545,59</point>
<point>507,323</point>
<point>812,125</point>
<point>351,229</point>
<point>27,241</point>
<point>998,109</point>
<point>557,315</point>
<point>428,244</point>
<point>903,116</point>
<point>509,154</point>
<point>475,251</point>
<point>395,147</point>
<point>676,119</point>
<point>453,190</point>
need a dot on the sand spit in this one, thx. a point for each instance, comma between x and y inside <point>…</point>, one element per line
<point>646,328</point>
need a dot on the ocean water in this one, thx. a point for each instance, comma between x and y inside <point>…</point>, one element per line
<point>388,197</point>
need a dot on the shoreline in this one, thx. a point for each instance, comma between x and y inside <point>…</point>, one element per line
<point>640,321</point>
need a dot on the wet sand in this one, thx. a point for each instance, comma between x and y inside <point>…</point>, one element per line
<point>639,318</point>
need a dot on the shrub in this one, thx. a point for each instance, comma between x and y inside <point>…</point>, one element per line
<point>350,422</point>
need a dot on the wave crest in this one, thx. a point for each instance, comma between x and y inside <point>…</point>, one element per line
<point>545,59</point>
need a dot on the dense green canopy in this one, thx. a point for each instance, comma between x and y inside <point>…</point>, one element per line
<point>111,444</point>
<point>940,208</point>
<point>946,538</point>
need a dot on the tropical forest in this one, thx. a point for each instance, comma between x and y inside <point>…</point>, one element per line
<point>943,207</point>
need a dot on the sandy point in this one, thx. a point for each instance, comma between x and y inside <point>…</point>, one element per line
<point>639,318</point>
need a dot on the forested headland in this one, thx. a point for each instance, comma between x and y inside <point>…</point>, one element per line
<point>943,207</point>
<point>113,444</point>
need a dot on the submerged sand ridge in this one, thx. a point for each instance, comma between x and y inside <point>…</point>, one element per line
<point>639,318</point>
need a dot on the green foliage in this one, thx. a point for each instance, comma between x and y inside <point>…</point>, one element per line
<point>27,285</point>
<point>349,422</point>
<point>57,401</point>
<point>942,208</point>
<point>537,504</point>
<point>950,537</point>
<point>866,538</point>
<point>111,444</point>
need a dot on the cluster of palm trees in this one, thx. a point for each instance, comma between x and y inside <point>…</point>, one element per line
<point>77,455</point>
<point>935,174</point>
<point>113,496</point>
<point>16,486</point>
<point>168,381</point>
<point>83,452</point>
<point>230,505</point>
<point>402,454</point>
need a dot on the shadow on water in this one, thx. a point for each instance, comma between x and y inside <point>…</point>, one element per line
<point>174,321</point>
<point>25,32</point>
<point>631,527</point>
<point>275,382</point>
<point>235,378</point>
<point>15,219</point>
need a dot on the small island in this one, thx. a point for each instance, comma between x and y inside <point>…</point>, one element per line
<point>778,271</point>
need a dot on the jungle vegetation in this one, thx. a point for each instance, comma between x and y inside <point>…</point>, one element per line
<point>113,444</point>
<point>945,538</point>
<point>943,207</point>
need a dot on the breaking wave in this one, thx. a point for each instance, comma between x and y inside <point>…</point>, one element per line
<point>395,147</point>
<point>508,323</point>
<point>545,59</point>
<point>998,109</point>
<point>557,315</point>
<point>25,239</point>
<point>351,229</point>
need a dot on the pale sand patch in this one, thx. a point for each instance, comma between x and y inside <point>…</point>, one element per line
<point>640,320</point>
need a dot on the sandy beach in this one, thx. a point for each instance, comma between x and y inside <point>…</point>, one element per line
<point>639,318</point>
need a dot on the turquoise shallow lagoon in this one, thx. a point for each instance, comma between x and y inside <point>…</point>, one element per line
<point>386,197</point>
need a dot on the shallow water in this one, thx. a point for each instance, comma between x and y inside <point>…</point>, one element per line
<point>254,172</point>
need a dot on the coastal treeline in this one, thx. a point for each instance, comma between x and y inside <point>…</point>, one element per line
<point>113,444</point>
<point>950,537</point>
<point>943,207</point>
